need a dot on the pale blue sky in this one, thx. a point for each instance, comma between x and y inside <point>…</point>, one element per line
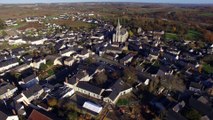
<point>148,1</point>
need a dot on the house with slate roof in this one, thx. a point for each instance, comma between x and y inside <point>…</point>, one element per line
<point>30,94</point>
<point>118,89</point>
<point>89,89</point>
<point>37,62</point>
<point>7,90</point>
<point>29,81</point>
<point>6,65</point>
<point>4,116</point>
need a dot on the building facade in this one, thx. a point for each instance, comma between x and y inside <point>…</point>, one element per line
<point>121,34</point>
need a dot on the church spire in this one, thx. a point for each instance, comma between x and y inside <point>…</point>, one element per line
<point>119,22</point>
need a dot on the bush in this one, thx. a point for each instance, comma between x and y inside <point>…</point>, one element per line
<point>72,116</point>
<point>49,63</point>
<point>2,24</point>
<point>43,67</point>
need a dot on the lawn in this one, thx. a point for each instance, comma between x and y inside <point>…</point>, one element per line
<point>171,36</point>
<point>193,35</point>
<point>208,68</point>
<point>122,102</point>
<point>73,24</point>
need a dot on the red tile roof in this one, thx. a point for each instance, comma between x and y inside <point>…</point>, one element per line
<point>35,115</point>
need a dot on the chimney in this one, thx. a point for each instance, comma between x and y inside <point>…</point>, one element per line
<point>13,83</point>
<point>66,79</point>
<point>14,112</point>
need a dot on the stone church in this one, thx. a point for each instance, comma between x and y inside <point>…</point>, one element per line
<point>121,34</point>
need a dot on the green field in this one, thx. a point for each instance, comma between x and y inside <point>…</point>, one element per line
<point>171,36</point>
<point>206,14</point>
<point>193,35</point>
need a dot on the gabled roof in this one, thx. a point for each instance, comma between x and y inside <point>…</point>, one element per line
<point>81,74</point>
<point>17,50</point>
<point>38,59</point>
<point>84,52</point>
<point>127,57</point>
<point>3,116</point>
<point>29,78</point>
<point>118,87</point>
<point>8,62</point>
<point>89,87</point>
<point>31,91</point>
<point>171,115</point>
<point>67,50</point>
<point>35,115</point>
<point>52,57</point>
<point>196,85</point>
<point>4,87</point>
<point>202,108</point>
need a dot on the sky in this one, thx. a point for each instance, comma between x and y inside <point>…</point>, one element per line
<point>146,1</point>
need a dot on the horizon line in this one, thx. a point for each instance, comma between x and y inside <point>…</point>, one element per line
<point>25,3</point>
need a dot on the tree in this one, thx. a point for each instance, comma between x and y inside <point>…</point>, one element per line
<point>72,115</point>
<point>71,106</point>
<point>2,24</point>
<point>49,63</point>
<point>131,33</point>
<point>43,67</point>
<point>208,36</point>
<point>192,114</point>
<point>52,102</point>
<point>100,78</point>
<point>129,75</point>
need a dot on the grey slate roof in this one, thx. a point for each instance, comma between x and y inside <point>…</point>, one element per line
<point>3,116</point>
<point>4,87</point>
<point>171,115</point>
<point>31,91</point>
<point>89,87</point>
<point>29,78</point>
<point>202,108</point>
<point>117,88</point>
<point>8,62</point>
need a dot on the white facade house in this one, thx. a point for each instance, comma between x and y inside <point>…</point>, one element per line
<point>38,42</point>
<point>29,81</point>
<point>118,89</point>
<point>6,65</point>
<point>17,41</point>
<point>21,68</point>
<point>67,52</point>
<point>92,107</point>
<point>6,117</point>
<point>7,90</point>
<point>37,63</point>
<point>84,55</point>
<point>31,19</point>
<point>101,37</point>
<point>69,61</point>
<point>30,94</point>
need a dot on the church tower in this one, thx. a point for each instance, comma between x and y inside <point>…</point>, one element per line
<point>118,32</point>
<point>116,38</point>
<point>121,34</point>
